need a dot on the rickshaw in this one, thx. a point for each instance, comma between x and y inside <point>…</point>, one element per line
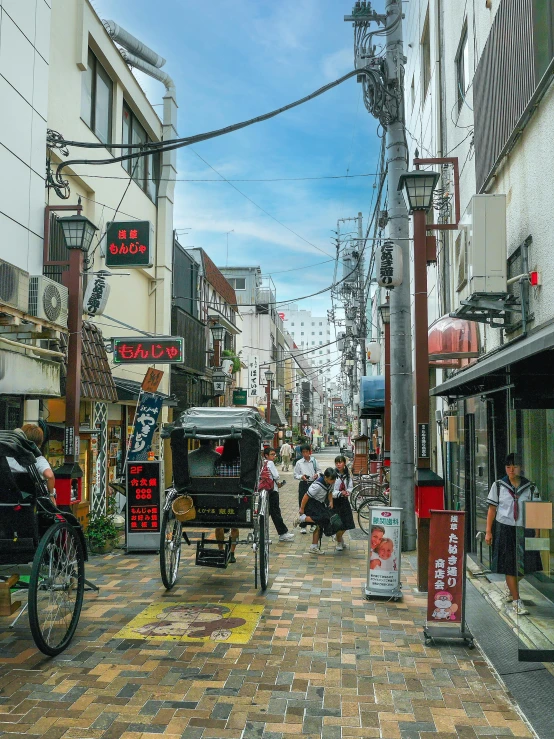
<point>33,531</point>
<point>219,502</point>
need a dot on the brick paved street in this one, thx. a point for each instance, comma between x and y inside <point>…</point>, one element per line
<point>323,662</point>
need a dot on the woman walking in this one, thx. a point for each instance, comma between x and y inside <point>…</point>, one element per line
<point>341,495</point>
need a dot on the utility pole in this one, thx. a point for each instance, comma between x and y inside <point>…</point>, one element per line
<point>377,73</point>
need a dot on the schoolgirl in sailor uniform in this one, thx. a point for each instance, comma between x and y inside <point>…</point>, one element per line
<point>341,496</point>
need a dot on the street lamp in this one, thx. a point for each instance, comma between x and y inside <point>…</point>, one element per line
<point>269,375</point>
<point>218,332</point>
<point>384,310</point>
<point>78,232</point>
<point>417,187</point>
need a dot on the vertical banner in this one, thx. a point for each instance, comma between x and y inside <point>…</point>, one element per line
<point>383,557</point>
<point>146,420</point>
<point>296,407</point>
<point>446,568</point>
<point>254,380</point>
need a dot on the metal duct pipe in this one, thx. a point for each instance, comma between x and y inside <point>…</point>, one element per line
<point>132,44</point>
<point>150,70</point>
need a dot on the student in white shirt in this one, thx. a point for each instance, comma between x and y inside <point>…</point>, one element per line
<point>274,506</point>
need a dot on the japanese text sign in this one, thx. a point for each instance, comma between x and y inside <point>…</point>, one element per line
<point>446,567</point>
<point>148,351</point>
<point>143,497</point>
<point>423,440</point>
<point>254,389</point>
<point>146,420</point>
<point>152,380</point>
<point>389,265</point>
<point>383,572</point>
<point>96,295</point>
<point>128,244</point>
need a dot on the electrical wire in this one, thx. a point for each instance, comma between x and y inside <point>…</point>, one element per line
<point>233,179</point>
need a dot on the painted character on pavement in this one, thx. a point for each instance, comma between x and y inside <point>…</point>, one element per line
<point>193,621</point>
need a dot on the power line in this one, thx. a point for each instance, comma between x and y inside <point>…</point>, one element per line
<point>233,179</point>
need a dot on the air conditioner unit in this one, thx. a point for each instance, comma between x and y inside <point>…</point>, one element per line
<point>48,300</point>
<point>14,286</point>
<point>484,226</point>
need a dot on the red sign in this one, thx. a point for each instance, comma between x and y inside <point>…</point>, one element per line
<point>143,497</point>
<point>148,351</point>
<point>446,567</point>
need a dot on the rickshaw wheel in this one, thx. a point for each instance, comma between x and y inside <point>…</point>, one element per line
<point>171,538</point>
<point>56,588</point>
<point>264,545</point>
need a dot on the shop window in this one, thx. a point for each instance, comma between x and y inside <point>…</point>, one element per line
<point>97,99</point>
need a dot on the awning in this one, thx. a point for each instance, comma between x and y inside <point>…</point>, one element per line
<point>451,340</point>
<point>277,417</point>
<point>216,315</point>
<point>372,396</point>
<point>128,390</point>
<point>489,372</point>
<point>96,376</point>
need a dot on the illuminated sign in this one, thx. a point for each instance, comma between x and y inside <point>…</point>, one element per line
<point>143,497</point>
<point>169,350</point>
<point>128,244</point>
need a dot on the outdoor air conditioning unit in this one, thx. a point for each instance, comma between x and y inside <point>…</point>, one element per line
<point>14,286</point>
<point>480,247</point>
<point>48,300</point>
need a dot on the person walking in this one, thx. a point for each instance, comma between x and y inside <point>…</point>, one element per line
<point>341,495</point>
<point>306,471</point>
<point>509,557</point>
<point>274,506</point>
<point>286,451</point>
<point>316,505</point>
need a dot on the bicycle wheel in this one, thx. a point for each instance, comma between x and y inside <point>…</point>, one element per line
<point>364,513</point>
<point>56,588</point>
<point>171,538</point>
<point>264,548</point>
<point>362,492</point>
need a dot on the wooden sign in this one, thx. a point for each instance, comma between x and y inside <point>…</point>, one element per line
<point>152,380</point>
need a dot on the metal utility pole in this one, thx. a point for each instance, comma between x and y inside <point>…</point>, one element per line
<point>382,79</point>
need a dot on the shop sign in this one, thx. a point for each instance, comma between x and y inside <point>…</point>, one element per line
<point>296,408</point>
<point>128,244</point>
<point>96,295</point>
<point>384,552</point>
<point>254,389</point>
<point>148,351</point>
<point>152,380</point>
<point>446,567</point>
<point>240,397</point>
<point>146,420</point>
<point>423,440</point>
<point>143,498</point>
<point>71,443</point>
<point>389,265</point>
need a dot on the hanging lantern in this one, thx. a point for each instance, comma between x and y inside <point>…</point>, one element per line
<point>389,265</point>
<point>374,352</point>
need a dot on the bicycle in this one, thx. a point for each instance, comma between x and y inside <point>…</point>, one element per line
<point>364,514</point>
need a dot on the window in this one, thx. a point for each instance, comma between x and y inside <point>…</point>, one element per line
<point>320,323</point>
<point>302,333</point>
<point>313,324</point>
<point>238,283</point>
<point>321,333</point>
<point>313,343</point>
<point>146,170</point>
<point>313,333</point>
<point>292,324</point>
<point>462,68</point>
<point>426,56</point>
<point>96,99</point>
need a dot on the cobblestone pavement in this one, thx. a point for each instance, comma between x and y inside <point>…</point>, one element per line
<point>323,662</point>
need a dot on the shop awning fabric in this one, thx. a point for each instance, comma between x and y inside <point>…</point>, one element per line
<point>490,372</point>
<point>277,417</point>
<point>372,396</point>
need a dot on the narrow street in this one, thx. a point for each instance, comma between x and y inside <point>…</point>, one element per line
<point>322,662</point>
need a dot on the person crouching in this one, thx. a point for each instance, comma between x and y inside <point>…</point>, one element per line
<point>315,506</point>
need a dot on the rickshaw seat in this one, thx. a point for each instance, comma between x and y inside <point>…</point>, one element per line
<point>217,485</point>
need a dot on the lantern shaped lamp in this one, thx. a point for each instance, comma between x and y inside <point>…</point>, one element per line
<point>78,232</point>
<point>417,188</point>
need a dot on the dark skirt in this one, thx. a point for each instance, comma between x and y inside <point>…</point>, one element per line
<point>318,512</point>
<point>508,551</point>
<point>344,509</point>
<point>303,486</point>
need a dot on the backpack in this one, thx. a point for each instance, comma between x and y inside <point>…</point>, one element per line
<point>266,481</point>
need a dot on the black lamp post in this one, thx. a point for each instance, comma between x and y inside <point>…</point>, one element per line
<point>269,375</point>
<point>218,335</point>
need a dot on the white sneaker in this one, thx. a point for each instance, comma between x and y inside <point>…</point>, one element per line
<point>314,549</point>
<point>303,531</point>
<point>508,598</point>
<point>340,546</point>
<point>289,536</point>
<point>519,608</point>
<point>298,520</point>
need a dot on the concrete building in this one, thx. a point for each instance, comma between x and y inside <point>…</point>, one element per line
<point>311,334</point>
<point>26,375</point>
<point>478,85</point>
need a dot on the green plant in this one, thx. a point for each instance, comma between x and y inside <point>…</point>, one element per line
<point>229,354</point>
<point>101,529</point>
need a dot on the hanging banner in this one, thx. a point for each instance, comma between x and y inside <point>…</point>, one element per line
<point>446,567</point>
<point>389,265</point>
<point>296,407</point>
<point>97,294</point>
<point>254,389</point>
<point>383,558</point>
<point>146,420</point>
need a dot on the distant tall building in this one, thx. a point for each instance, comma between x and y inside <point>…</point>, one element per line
<point>311,334</point>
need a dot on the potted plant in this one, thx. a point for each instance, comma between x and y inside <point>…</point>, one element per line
<point>102,534</point>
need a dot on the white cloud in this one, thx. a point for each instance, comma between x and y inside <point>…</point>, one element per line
<point>338,63</point>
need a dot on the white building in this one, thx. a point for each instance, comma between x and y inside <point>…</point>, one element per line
<point>311,334</point>
<point>478,86</point>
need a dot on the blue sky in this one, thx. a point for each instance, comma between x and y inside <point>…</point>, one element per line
<point>235,59</point>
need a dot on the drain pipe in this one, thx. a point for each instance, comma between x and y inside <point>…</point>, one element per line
<point>141,57</point>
